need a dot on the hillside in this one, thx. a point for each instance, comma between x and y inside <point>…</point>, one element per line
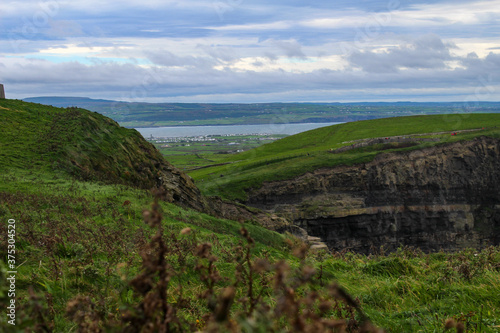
<point>98,252</point>
<point>87,146</point>
<point>77,185</point>
<point>305,152</point>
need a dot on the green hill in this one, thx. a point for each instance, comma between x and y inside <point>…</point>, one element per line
<point>77,184</point>
<point>307,151</point>
<point>87,146</point>
<point>81,143</point>
<point>84,144</point>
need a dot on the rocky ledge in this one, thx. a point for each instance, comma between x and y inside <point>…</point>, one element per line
<point>180,189</point>
<point>442,197</point>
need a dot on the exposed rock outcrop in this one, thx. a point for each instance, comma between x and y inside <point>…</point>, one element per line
<point>442,197</point>
<point>180,189</point>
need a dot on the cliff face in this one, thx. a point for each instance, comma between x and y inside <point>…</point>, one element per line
<point>180,189</point>
<point>443,197</point>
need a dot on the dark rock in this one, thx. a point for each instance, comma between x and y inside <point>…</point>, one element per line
<point>442,197</point>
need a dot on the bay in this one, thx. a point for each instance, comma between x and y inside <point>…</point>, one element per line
<point>192,131</point>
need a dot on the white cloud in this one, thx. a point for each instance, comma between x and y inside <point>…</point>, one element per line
<point>256,26</point>
<point>466,13</point>
<point>440,14</point>
<point>293,65</point>
<point>72,49</point>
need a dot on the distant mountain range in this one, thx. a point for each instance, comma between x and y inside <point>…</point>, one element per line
<point>140,114</point>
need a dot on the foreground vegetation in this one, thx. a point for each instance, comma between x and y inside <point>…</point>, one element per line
<point>95,255</point>
<point>311,150</point>
<point>81,249</point>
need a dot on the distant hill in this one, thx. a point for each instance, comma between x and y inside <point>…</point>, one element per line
<point>177,114</point>
<point>63,102</point>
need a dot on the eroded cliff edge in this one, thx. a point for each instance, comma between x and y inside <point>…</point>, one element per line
<point>441,197</point>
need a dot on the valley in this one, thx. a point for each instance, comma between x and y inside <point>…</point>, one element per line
<point>191,153</point>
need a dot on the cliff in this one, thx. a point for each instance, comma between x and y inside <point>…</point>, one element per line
<point>442,197</point>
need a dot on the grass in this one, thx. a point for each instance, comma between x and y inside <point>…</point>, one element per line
<point>81,143</point>
<point>311,150</point>
<point>81,240</point>
<point>73,235</point>
<point>94,255</point>
<point>77,238</point>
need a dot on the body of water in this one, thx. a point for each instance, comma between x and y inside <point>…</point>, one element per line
<point>190,131</point>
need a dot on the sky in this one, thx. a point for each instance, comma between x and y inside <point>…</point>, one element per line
<point>251,51</point>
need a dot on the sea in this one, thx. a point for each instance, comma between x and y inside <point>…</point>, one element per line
<point>193,131</point>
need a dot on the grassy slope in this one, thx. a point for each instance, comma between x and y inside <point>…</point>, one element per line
<point>81,143</point>
<point>73,237</point>
<point>307,151</point>
<point>45,150</point>
<point>77,237</point>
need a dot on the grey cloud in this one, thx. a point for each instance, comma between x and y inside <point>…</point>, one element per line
<point>270,56</point>
<point>291,49</point>
<point>60,28</point>
<point>217,52</point>
<point>490,62</point>
<point>167,58</point>
<point>131,81</point>
<point>426,52</point>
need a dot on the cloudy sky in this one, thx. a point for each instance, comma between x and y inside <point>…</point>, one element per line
<point>252,50</point>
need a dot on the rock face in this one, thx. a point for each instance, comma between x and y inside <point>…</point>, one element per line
<point>180,189</point>
<point>442,197</point>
